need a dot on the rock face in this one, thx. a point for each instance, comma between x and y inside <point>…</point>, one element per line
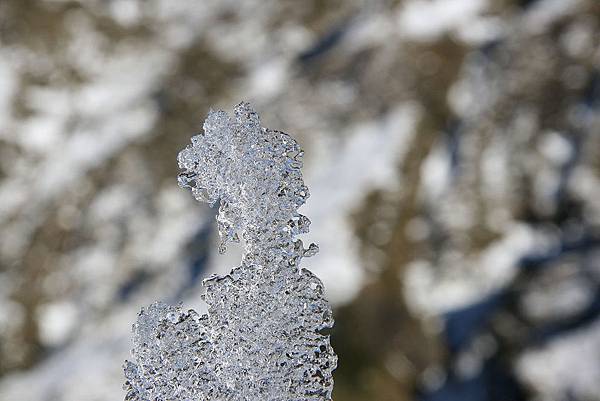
<point>262,336</point>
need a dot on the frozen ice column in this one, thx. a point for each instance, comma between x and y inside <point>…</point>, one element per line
<point>263,336</point>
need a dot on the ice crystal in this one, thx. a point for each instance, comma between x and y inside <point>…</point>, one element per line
<point>262,338</point>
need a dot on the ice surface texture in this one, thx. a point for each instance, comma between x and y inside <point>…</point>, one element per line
<point>262,338</point>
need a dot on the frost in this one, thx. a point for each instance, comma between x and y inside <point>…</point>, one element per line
<point>262,338</point>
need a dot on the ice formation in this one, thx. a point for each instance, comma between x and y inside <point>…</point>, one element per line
<point>262,338</point>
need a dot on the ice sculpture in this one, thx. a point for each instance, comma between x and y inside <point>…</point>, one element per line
<point>262,338</point>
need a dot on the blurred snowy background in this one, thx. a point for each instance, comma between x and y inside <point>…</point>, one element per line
<point>452,153</point>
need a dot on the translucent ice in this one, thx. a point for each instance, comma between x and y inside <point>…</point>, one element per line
<point>262,338</point>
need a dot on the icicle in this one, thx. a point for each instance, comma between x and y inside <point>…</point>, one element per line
<point>262,336</point>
